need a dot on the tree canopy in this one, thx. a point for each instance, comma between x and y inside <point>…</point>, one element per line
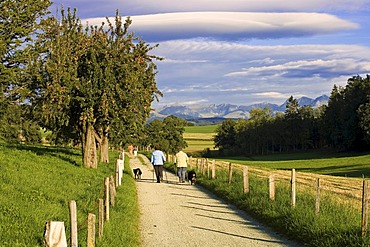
<point>90,81</point>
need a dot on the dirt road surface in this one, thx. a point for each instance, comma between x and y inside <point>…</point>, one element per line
<point>174,214</point>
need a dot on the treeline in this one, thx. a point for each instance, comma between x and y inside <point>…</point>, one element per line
<point>344,124</point>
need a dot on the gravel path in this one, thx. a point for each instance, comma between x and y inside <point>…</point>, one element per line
<point>174,214</point>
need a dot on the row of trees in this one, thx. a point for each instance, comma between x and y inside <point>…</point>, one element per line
<point>87,84</point>
<point>343,124</point>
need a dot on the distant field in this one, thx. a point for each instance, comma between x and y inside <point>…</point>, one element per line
<point>336,164</point>
<point>199,138</point>
<point>201,129</point>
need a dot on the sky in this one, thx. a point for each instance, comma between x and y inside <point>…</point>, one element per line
<point>244,51</point>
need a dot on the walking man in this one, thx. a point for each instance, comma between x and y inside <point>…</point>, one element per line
<point>157,159</point>
<point>181,161</point>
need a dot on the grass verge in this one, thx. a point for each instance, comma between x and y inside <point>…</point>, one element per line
<point>36,185</point>
<point>336,225</point>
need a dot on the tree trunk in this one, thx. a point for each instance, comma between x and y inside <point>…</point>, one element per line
<point>104,149</point>
<point>102,138</point>
<point>89,153</point>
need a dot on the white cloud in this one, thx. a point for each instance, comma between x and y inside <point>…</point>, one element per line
<point>233,25</point>
<point>274,95</point>
<point>244,5</point>
<point>308,68</point>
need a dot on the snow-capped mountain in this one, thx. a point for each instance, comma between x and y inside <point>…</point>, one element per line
<point>228,110</point>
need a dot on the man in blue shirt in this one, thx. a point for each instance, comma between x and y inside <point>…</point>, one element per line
<point>157,159</point>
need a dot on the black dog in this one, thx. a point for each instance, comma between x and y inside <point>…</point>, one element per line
<point>192,177</point>
<point>137,173</point>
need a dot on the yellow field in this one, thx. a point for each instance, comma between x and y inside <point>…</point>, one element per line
<point>198,141</point>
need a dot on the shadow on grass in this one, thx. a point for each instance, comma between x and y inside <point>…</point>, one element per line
<point>66,154</point>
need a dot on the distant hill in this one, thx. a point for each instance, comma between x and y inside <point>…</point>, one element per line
<point>203,114</point>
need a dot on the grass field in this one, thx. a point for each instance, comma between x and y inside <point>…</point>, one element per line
<point>37,183</point>
<point>328,163</point>
<point>199,138</point>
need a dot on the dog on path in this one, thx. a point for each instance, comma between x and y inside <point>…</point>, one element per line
<point>137,173</point>
<point>192,177</point>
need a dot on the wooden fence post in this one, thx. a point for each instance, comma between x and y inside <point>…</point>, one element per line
<point>191,162</point>
<point>272,187</point>
<point>119,171</point>
<point>317,202</point>
<point>106,186</point>
<point>112,191</point>
<point>293,187</point>
<point>207,164</point>
<point>73,219</point>
<point>91,230</point>
<point>230,172</point>
<point>101,218</point>
<point>213,169</point>
<point>245,179</point>
<point>365,206</point>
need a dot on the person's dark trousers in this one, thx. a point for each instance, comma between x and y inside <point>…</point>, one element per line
<point>158,172</point>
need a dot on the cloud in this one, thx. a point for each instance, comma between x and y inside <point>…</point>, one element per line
<point>232,25</point>
<point>267,72</point>
<point>95,8</point>
<point>274,95</point>
<point>308,68</point>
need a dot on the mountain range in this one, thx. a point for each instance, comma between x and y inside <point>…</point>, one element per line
<point>222,111</point>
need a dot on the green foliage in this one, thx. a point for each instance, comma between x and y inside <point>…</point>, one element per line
<point>37,184</point>
<point>345,117</point>
<point>167,133</point>
<point>19,22</point>
<point>98,78</point>
<point>226,134</point>
<point>342,125</point>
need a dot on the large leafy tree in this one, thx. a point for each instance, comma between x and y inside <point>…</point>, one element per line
<point>94,81</point>
<point>19,22</point>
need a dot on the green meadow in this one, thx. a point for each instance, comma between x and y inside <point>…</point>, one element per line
<point>328,163</point>
<point>199,138</point>
<point>37,183</point>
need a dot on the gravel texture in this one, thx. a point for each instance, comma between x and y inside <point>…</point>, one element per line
<point>174,214</point>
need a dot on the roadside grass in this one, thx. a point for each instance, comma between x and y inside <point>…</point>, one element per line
<point>37,183</point>
<point>336,225</point>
